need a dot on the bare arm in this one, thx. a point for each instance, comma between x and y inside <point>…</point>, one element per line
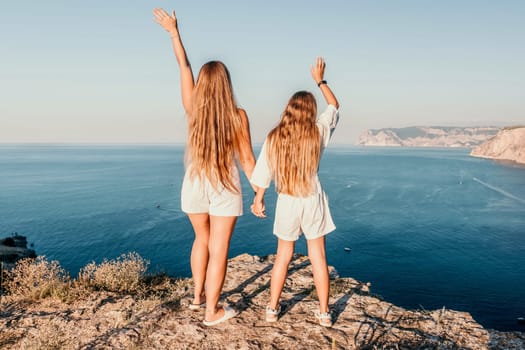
<point>260,180</point>
<point>169,23</point>
<point>258,208</point>
<point>247,159</point>
<point>318,75</point>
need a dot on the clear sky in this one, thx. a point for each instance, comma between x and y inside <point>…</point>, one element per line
<point>103,71</point>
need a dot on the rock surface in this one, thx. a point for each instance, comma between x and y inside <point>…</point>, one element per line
<point>427,136</point>
<point>508,144</point>
<point>102,320</point>
<point>14,248</point>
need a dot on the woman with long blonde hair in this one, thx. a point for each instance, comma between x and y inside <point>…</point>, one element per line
<point>290,156</point>
<point>219,138</point>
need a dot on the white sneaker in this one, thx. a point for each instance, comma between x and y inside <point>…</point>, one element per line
<point>271,314</point>
<point>325,318</point>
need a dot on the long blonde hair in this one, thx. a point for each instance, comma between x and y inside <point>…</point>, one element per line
<point>215,127</point>
<point>294,146</point>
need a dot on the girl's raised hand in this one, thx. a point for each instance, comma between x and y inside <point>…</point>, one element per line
<point>317,70</point>
<point>169,23</point>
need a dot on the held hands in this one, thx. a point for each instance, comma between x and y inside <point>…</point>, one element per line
<point>317,70</point>
<point>169,23</point>
<point>258,209</point>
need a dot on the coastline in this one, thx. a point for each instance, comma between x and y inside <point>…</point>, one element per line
<point>502,161</point>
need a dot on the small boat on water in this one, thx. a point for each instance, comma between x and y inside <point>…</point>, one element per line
<point>520,320</point>
<point>347,249</point>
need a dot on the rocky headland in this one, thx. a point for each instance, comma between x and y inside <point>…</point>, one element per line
<point>155,316</point>
<point>14,248</point>
<point>508,144</point>
<point>427,136</point>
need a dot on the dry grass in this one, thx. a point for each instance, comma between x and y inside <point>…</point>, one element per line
<point>123,274</point>
<point>341,285</point>
<point>165,288</point>
<point>34,279</point>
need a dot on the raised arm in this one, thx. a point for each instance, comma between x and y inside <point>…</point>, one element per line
<point>318,74</point>
<point>169,23</point>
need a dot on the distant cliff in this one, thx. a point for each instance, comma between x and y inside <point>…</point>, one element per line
<point>427,136</point>
<point>508,144</point>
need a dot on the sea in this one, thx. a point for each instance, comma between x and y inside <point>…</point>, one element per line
<point>428,228</point>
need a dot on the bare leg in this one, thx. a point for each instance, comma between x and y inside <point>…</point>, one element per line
<point>280,270</point>
<point>317,254</point>
<point>221,229</point>
<point>199,254</point>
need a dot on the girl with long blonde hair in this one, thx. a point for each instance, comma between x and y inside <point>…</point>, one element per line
<point>290,156</point>
<point>219,138</point>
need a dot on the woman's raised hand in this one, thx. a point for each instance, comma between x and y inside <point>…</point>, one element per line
<point>317,70</point>
<point>166,21</point>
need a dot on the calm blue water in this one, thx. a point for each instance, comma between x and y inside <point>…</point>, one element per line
<point>428,227</point>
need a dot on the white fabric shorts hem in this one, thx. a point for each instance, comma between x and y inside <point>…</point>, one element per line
<point>213,213</point>
<point>295,237</point>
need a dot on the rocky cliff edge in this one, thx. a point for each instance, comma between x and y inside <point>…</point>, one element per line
<point>156,320</point>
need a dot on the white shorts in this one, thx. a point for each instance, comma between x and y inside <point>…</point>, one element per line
<point>199,197</point>
<point>309,215</point>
